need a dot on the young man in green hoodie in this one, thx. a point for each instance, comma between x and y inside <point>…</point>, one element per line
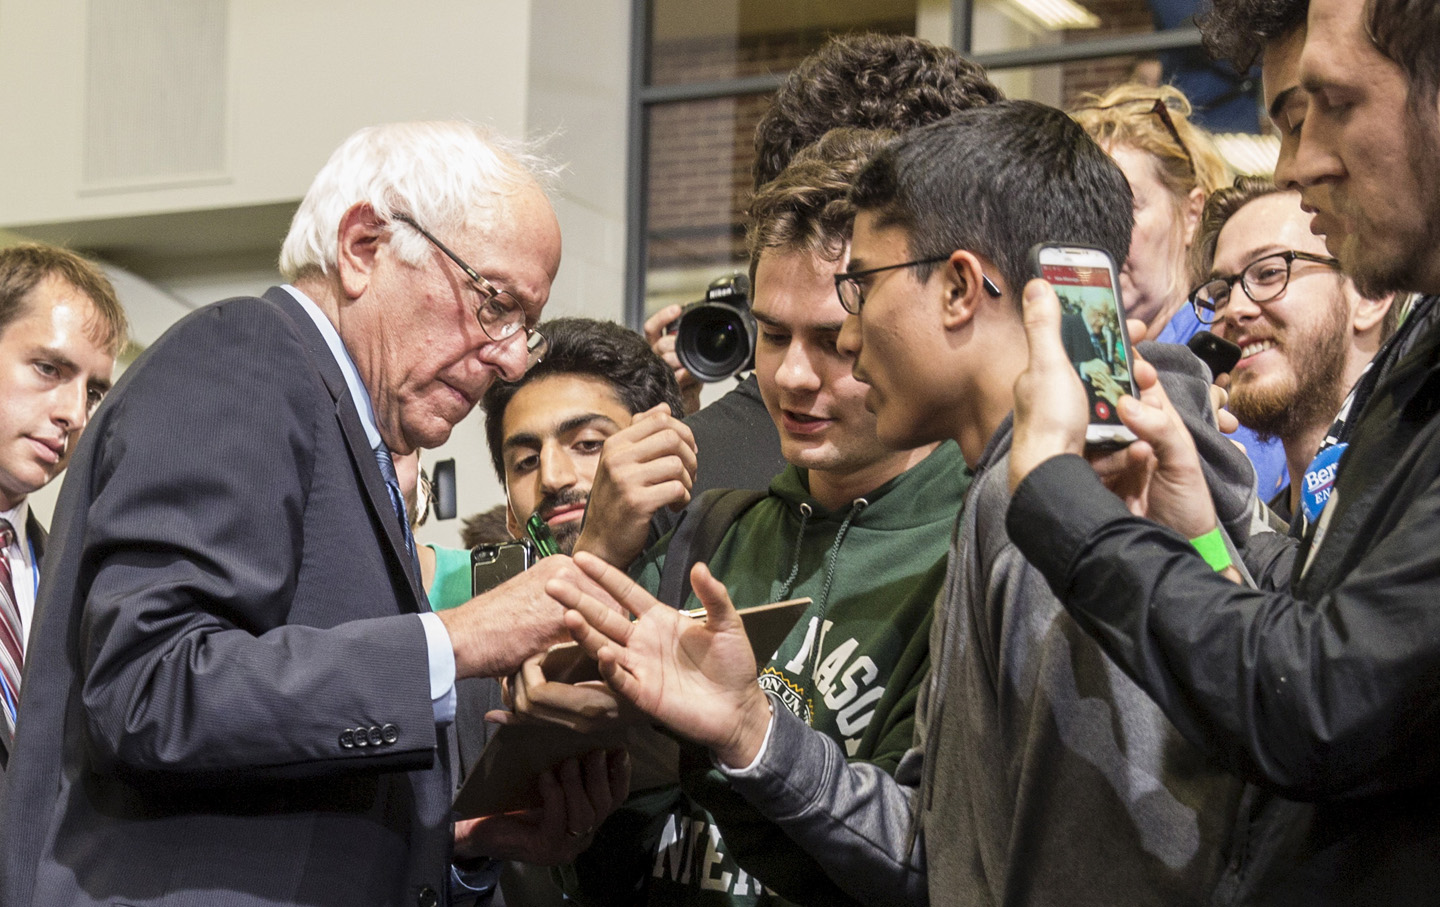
<point>858,527</point>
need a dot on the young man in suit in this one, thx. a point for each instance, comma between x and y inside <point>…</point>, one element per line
<point>61,328</point>
<point>238,695</point>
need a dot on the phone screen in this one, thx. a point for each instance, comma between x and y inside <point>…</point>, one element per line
<point>1093,335</point>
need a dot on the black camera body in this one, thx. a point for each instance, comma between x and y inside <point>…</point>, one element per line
<point>715,337</point>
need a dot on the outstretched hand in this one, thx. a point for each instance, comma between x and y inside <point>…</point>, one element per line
<point>695,677</point>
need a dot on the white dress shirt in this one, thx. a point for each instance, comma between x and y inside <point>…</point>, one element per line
<point>24,573</point>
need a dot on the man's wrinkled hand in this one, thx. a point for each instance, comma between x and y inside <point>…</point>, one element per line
<point>493,633</point>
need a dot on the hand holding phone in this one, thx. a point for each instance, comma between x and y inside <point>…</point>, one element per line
<point>1093,331</point>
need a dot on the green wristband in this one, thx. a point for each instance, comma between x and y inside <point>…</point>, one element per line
<point>1211,546</point>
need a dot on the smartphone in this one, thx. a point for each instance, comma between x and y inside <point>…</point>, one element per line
<point>1216,352</point>
<point>1093,330</point>
<point>493,564</point>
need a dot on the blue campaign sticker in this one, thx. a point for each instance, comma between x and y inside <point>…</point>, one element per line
<point>1320,481</point>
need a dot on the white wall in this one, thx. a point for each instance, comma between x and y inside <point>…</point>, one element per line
<point>578,81</point>
<point>299,77</point>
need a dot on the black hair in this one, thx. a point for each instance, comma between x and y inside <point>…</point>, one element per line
<point>1238,30</point>
<point>591,348</point>
<point>868,81</point>
<point>995,181</point>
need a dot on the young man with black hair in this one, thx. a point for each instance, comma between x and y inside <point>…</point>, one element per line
<point>546,431</point>
<point>1325,692</point>
<point>1039,774</point>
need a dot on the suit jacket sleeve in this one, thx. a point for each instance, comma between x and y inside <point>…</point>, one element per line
<point>200,651</point>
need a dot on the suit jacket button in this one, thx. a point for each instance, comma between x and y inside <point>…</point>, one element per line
<point>347,739</point>
<point>427,897</point>
<point>390,733</point>
<point>375,735</point>
<point>362,737</point>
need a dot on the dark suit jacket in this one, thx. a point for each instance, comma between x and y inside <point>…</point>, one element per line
<point>36,534</point>
<point>226,600</point>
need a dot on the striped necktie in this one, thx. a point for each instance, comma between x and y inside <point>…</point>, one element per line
<point>12,649</point>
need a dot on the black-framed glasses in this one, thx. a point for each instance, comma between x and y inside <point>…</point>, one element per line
<point>1263,280</point>
<point>851,290</point>
<point>1159,109</point>
<point>500,315</point>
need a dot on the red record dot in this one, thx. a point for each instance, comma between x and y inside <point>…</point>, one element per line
<point>1102,412</point>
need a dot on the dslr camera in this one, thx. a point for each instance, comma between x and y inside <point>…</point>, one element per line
<point>715,337</point>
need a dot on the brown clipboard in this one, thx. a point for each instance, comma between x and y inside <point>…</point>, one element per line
<point>506,777</point>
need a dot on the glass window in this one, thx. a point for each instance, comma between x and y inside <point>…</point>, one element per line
<point>1224,101</point>
<point>699,151</point>
<point>731,39</point>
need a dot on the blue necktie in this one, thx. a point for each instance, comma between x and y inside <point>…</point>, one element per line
<point>397,501</point>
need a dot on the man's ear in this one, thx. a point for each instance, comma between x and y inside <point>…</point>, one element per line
<point>1367,314</point>
<point>963,284</point>
<point>361,232</point>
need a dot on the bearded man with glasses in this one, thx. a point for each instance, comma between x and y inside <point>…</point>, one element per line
<point>1306,333</point>
<point>243,697</point>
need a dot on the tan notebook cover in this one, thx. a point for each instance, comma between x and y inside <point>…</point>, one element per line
<point>506,777</point>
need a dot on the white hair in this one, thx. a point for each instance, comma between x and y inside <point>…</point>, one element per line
<point>440,173</point>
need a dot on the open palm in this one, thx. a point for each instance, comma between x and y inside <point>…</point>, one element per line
<point>695,677</point>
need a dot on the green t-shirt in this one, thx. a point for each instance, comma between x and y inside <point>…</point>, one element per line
<point>851,667</point>
<point>451,586</point>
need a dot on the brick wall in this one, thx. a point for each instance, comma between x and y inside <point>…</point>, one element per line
<point>1117,17</point>
<point>700,152</point>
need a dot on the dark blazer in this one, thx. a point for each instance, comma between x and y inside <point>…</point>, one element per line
<point>36,534</point>
<point>227,700</point>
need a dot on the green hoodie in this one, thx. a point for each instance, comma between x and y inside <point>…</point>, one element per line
<point>851,667</point>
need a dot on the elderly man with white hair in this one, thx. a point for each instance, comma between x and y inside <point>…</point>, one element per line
<point>244,698</point>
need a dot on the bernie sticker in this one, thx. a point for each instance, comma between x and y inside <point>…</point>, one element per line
<point>1320,481</point>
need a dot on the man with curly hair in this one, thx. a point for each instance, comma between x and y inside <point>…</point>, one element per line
<point>866,81</point>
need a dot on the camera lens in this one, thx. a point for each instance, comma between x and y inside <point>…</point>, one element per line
<point>715,341</point>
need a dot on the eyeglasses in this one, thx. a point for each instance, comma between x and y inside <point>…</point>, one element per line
<point>851,291</point>
<point>1263,280</point>
<point>1160,109</point>
<point>500,315</point>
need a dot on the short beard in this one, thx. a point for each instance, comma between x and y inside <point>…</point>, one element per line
<point>568,533</point>
<point>1416,267</point>
<point>1312,397</point>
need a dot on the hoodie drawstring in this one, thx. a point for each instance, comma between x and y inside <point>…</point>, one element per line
<point>832,558</point>
<point>805,511</point>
